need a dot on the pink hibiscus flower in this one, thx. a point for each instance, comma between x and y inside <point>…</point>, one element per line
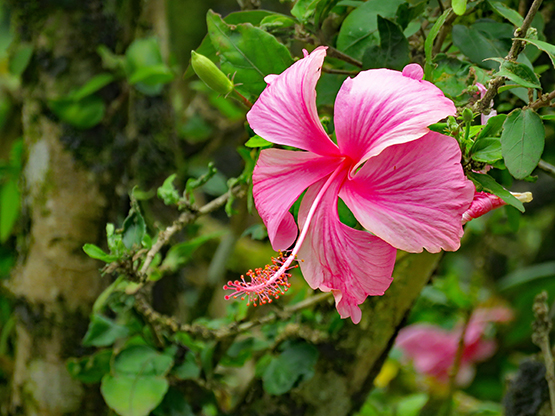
<point>433,349</point>
<point>403,183</point>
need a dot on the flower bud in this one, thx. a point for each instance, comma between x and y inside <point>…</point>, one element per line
<point>210,74</point>
<point>467,115</point>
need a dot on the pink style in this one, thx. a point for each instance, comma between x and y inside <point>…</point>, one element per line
<point>403,183</point>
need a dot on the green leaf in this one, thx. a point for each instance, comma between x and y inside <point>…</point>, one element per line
<point>142,360</point>
<point>304,9</point>
<point>511,15</point>
<point>295,364</point>
<point>181,253</point>
<point>131,395</point>
<point>151,75</point>
<point>247,53</point>
<point>522,142</point>
<point>9,208</point>
<point>174,404</point>
<point>276,22</point>
<point>323,9</point>
<point>429,44</point>
<point>20,59</point>
<point>83,114</point>
<point>520,73</point>
<point>393,51</point>
<point>486,149</point>
<point>142,53</point>
<point>459,6</point>
<point>488,184</point>
<point>189,369</point>
<point>93,85</point>
<point>96,252</point>
<point>134,229</point>
<point>257,141</point>
<point>103,332</point>
<point>482,40</point>
<point>548,48</point>
<point>359,30</point>
<point>92,368</point>
<point>493,126</point>
<point>167,191</point>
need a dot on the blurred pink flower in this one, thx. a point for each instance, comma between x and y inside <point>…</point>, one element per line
<point>433,349</point>
<point>403,183</point>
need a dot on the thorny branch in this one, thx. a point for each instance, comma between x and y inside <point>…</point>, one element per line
<point>515,50</point>
<point>542,327</point>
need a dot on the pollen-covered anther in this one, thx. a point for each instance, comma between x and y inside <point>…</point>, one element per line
<point>265,283</point>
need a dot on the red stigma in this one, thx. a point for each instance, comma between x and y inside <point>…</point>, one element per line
<point>264,284</point>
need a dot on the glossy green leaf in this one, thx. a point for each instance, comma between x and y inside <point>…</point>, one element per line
<point>257,141</point>
<point>167,191</point>
<point>133,395</point>
<point>482,40</point>
<point>276,22</point>
<point>486,183</point>
<point>96,252</point>
<point>181,253</point>
<point>429,45</point>
<point>359,30</point>
<point>520,73</point>
<point>493,126</point>
<point>134,229</point>
<point>90,369</point>
<point>9,208</point>
<point>142,360</point>
<point>93,85</point>
<point>304,9</point>
<point>393,51</point>
<point>20,58</point>
<point>247,53</point>
<point>522,142</point>
<point>486,149</point>
<point>103,332</point>
<point>83,114</point>
<point>548,48</point>
<point>295,364</point>
<point>459,6</point>
<point>511,15</point>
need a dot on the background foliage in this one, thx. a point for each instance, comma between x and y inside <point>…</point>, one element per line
<point>174,159</point>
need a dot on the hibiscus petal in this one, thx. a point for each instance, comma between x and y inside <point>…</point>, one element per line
<point>279,177</point>
<point>380,107</point>
<point>286,111</point>
<point>334,257</point>
<point>413,195</point>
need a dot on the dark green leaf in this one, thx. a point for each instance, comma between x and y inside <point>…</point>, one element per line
<point>97,253</point>
<point>92,368</point>
<point>133,395</point>
<point>449,75</point>
<point>181,253</point>
<point>406,13</point>
<point>134,229</point>
<point>488,184</point>
<point>493,126</point>
<point>20,58</point>
<point>323,9</point>
<point>247,53</point>
<point>167,191</point>
<point>482,40</point>
<point>295,364</point>
<point>93,85</point>
<point>509,14</point>
<point>429,44</point>
<point>459,6</point>
<point>174,404</point>
<point>83,114</point>
<point>520,73</point>
<point>393,51</point>
<point>486,149</point>
<point>103,332</point>
<point>548,48</point>
<point>142,360</point>
<point>9,208</point>
<point>189,369</point>
<point>359,30</point>
<point>257,141</point>
<point>522,142</point>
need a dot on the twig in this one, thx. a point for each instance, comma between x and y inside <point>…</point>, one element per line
<point>443,32</point>
<point>344,57</point>
<point>547,167</point>
<point>515,50</point>
<point>540,337</point>
<point>454,370</point>
<point>543,101</point>
<point>339,71</point>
